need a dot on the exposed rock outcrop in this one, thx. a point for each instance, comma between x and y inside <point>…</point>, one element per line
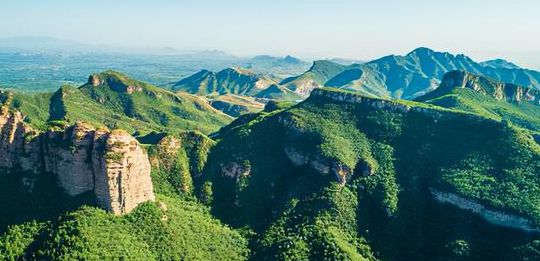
<point>492,216</point>
<point>501,91</point>
<point>341,172</point>
<point>13,135</point>
<point>122,172</point>
<point>112,165</point>
<point>356,98</point>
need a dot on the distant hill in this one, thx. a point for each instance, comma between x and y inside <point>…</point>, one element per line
<point>277,61</point>
<point>319,73</point>
<point>407,77</point>
<point>468,92</point>
<point>245,82</point>
<point>347,61</point>
<point>278,66</point>
<point>230,80</point>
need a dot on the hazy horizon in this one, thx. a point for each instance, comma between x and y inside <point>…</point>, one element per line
<point>362,30</point>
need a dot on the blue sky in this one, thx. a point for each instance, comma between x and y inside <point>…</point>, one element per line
<point>316,29</point>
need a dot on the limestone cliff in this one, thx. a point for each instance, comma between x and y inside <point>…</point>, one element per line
<point>112,165</point>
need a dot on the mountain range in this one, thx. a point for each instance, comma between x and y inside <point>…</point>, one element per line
<point>427,156</point>
<point>421,70</point>
<point>407,77</point>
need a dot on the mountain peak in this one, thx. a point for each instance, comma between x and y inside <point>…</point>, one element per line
<point>291,59</point>
<point>421,51</point>
<point>321,65</point>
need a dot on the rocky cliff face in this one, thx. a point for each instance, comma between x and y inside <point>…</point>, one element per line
<point>320,164</point>
<point>492,216</point>
<point>498,90</point>
<point>359,99</point>
<point>112,165</point>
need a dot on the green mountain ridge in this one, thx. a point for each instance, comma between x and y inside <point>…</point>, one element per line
<point>111,99</point>
<point>229,80</point>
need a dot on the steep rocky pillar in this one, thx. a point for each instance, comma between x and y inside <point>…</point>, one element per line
<point>68,155</point>
<point>122,172</point>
